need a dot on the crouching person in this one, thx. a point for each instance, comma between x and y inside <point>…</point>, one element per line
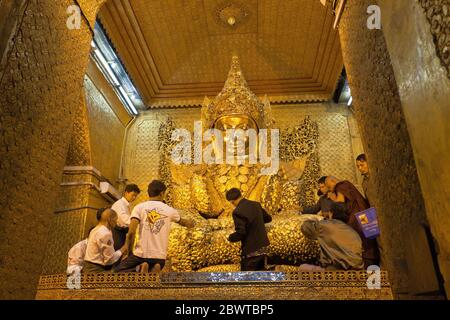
<point>75,259</point>
<point>340,244</point>
<point>100,254</point>
<point>151,220</point>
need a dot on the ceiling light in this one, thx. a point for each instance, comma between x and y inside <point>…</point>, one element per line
<point>106,66</point>
<point>112,68</point>
<point>128,100</point>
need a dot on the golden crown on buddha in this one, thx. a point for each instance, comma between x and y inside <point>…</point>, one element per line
<point>236,106</point>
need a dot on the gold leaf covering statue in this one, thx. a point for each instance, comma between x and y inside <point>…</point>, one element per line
<point>199,189</point>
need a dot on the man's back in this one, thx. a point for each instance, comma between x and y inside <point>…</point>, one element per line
<point>100,247</point>
<point>76,253</point>
<point>353,198</point>
<point>355,203</point>
<point>249,218</point>
<point>75,257</point>
<point>155,219</point>
<point>340,244</point>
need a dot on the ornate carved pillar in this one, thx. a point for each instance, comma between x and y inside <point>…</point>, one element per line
<point>40,89</point>
<point>78,198</point>
<point>394,181</point>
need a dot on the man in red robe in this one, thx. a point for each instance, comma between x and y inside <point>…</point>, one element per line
<point>346,192</point>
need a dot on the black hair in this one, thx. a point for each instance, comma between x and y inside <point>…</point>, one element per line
<point>132,188</point>
<point>322,180</point>
<point>339,211</point>
<point>233,194</point>
<point>361,157</point>
<point>100,212</point>
<point>155,188</point>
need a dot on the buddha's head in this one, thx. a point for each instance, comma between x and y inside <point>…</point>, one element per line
<point>236,122</point>
<point>236,106</point>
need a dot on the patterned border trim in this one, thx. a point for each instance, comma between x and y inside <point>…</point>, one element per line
<point>274,99</point>
<point>153,280</point>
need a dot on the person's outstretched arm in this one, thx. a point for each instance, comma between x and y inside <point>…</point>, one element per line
<point>186,222</point>
<point>313,209</point>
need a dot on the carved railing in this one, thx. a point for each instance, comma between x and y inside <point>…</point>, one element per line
<point>154,280</point>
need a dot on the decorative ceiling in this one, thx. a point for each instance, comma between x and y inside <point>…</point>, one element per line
<point>179,51</point>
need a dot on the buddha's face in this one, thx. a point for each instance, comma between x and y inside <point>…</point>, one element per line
<point>236,121</point>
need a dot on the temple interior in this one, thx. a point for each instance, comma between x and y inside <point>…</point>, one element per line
<point>91,92</point>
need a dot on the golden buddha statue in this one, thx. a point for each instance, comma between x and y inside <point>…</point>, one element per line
<point>199,189</point>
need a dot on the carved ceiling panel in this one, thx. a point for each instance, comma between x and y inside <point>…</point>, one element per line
<point>178,51</point>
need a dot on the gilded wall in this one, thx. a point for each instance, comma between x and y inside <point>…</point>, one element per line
<point>106,132</point>
<point>94,155</point>
<point>335,142</point>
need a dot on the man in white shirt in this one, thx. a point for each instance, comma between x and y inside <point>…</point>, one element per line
<point>100,253</point>
<point>152,220</point>
<point>122,207</point>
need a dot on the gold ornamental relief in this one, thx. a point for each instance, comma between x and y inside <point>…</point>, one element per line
<point>293,170</point>
<point>199,195</point>
<point>217,201</point>
<point>181,196</point>
<point>181,174</point>
<point>243,178</point>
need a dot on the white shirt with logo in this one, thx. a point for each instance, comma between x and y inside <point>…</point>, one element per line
<point>122,207</point>
<point>100,247</point>
<point>155,220</point>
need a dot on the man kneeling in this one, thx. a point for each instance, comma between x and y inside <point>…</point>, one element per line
<point>340,245</point>
<point>100,254</point>
<point>154,219</point>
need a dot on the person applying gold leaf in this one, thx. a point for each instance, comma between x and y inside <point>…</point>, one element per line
<point>154,219</point>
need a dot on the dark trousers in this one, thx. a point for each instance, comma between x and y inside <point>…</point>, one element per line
<point>89,267</point>
<point>370,262</point>
<point>257,263</point>
<point>119,237</point>
<point>132,261</point>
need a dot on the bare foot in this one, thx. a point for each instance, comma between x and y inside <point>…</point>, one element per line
<point>156,268</point>
<point>144,268</point>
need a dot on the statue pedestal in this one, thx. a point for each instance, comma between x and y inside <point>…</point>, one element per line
<point>333,285</point>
